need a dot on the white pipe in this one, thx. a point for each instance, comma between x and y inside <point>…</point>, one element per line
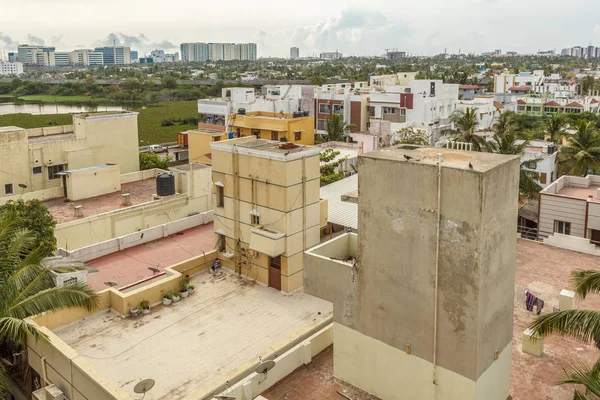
<point>44,376</point>
<point>437,267</point>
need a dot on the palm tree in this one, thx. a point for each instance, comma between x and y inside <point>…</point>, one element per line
<point>337,129</point>
<point>506,124</point>
<point>28,289</point>
<point>582,325</point>
<point>582,153</point>
<point>466,123</point>
<point>505,142</point>
<point>555,127</point>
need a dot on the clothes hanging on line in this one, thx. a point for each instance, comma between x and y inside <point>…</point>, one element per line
<point>533,301</point>
<point>539,304</point>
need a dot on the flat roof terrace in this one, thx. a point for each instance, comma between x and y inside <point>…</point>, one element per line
<point>194,345</point>
<point>581,192</point>
<point>131,265</point>
<point>64,211</point>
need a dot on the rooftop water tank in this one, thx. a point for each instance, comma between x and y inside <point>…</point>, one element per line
<point>165,184</point>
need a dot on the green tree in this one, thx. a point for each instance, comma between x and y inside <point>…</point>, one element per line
<point>329,164</point>
<point>37,219</point>
<point>587,84</point>
<point>555,127</point>
<point>465,124</point>
<point>505,141</point>
<point>582,325</point>
<point>169,83</point>
<point>151,160</point>
<point>28,289</point>
<point>581,155</point>
<point>410,136</point>
<point>337,129</point>
<point>318,80</point>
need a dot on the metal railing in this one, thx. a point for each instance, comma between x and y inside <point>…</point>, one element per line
<point>527,232</point>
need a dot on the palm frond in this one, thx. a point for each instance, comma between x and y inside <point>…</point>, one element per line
<point>57,298</point>
<point>585,282</point>
<point>13,331</point>
<point>581,374</point>
<point>582,325</point>
<point>5,383</point>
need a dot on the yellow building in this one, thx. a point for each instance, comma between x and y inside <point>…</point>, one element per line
<point>274,126</point>
<point>267,208</point>
<point>33,158</point>
<point>199,140</point>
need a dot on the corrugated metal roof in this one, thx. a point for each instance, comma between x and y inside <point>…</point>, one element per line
<point>341,212</point>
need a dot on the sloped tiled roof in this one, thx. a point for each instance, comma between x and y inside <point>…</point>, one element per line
<point>521,101</point>
<point>468,87</point>
<point>520,88</point>
<point>593,101</point>
<point>552,103</point>
<point>574,104</point>
<point>499,106</point>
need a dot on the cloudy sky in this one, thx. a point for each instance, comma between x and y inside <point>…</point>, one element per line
<point>362,28</point>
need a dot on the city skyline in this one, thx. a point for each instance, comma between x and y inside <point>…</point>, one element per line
<point>313,28</point>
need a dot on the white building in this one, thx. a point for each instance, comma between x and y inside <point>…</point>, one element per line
<point>159,56</point>
<point>11,68</point>
<point>486,109</point>
<point>333,55</point>
<point>276,98</point>
<point>515,83</point>
<point>62,58</point>
<point>540,156</point>
<point>294,53</point>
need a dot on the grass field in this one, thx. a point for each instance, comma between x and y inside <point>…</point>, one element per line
<point>48,98</point>
<point>149,120</point>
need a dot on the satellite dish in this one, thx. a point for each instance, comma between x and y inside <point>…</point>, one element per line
<point>111,284</point>
<point>264,366</point>
<point>143,386</point>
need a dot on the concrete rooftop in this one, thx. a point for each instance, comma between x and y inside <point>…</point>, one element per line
<point>140,191</point>
<point>131,265</point>
<point>201,341</point>
<point>581,192</point>
<point>458,159</point>
<point>266,148</point>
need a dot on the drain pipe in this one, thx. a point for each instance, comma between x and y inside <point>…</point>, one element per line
<point>44,375</point>
<point>437,267</point>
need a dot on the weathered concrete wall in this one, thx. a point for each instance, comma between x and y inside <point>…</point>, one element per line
<point>392,298</point>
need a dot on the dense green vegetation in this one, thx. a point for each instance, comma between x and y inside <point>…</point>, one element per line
<point>48,98</point>
<point>151,160</point>
<point>150,120</point>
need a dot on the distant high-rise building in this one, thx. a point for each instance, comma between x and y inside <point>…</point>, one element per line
<point>497,52</point>
<point>294,53</point>
<point>95,58</point>
<point>11,68</point>
<point>62,58</point>
<point>116,55</point>
<point>395,55</point>
<point>191,52</point>
<point>134,55</point>
<point>29,54</point>
<point>333,55</point>
<point>12,57</point>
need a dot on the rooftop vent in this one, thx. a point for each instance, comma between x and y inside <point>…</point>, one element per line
<point>78,211</point>
<point>126,199</point>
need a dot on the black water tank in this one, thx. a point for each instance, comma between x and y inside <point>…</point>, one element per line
<point>165,184</point>
<point>241,111</point>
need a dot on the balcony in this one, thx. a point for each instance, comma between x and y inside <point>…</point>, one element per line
<point>267,241</point>
<point>330,269</point>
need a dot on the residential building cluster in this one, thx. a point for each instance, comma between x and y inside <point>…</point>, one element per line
<point>11,68</point>
<point>217,51</point>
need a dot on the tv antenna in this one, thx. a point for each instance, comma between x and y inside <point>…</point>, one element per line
<point>263,367</point>
<point>143,386</point>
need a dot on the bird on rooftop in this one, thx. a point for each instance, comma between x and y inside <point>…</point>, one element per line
<point>408,158</point>
<point>286,153</point>
<point>470,165</point>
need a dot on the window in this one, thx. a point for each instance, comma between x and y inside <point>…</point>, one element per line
<point>297,136</point>
<point>274,136</point>
<point>551,176</point>
<point>324,108</point>
<point>8,188</point>
<point>275,262</point>
<point>220,197</point>
<point>216,138</point>
<point>256,132</point>
<point>389,110</point>
<point>321,124</point>
<point>222,243</point>
<point>53,170</point>
<point>255,219</point>
<point>338,109</point>
<point>543,178</point>
<point>36,170</point>
<point>521,108</point>
<point>562,227</point>
<point>403,111</point>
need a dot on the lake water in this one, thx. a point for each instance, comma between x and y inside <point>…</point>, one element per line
<point>11,107</point>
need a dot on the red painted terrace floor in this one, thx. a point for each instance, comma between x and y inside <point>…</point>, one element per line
<point>131,265</point>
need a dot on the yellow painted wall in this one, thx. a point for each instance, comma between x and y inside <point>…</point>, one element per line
<point>86,183</point>
<point>199,146</point>
<point>358,359</point>
<point>268,123</point>
<point>93,139</point>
